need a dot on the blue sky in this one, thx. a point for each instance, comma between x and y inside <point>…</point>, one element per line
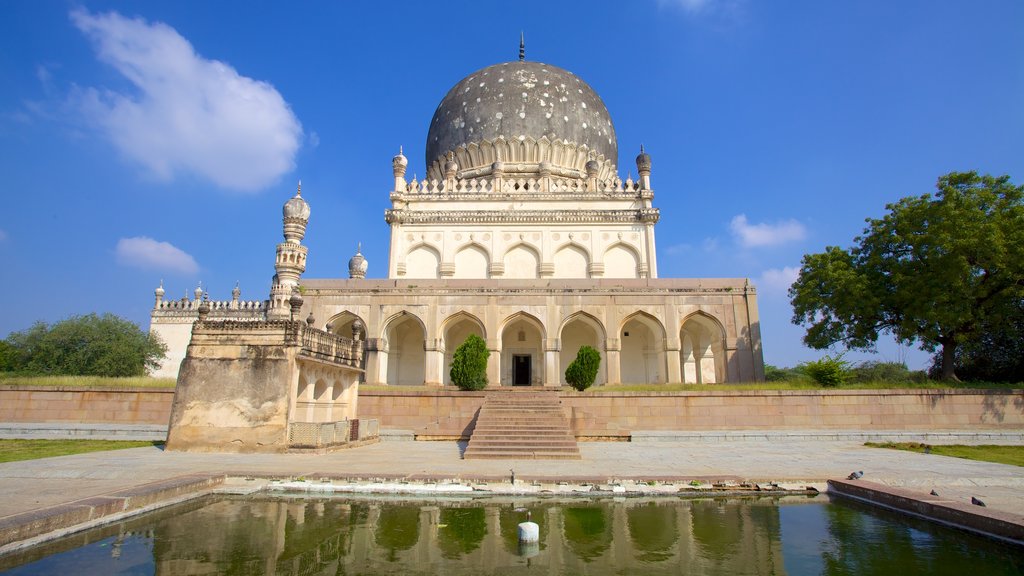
<point>142,141</point>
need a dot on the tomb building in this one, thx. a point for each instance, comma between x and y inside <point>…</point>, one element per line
<point>523,232</point>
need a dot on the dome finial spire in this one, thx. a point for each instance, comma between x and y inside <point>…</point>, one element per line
<point>522,46</point>
<point>298,192</point>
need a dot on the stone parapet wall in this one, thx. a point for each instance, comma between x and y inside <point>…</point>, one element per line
<point>616,415</point>
<point>67,404</point>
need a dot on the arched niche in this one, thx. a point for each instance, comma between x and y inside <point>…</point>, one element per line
<point>406,339</point>
<point>702,351</point>
<point>522,261</point>
<point>454,331</point>
<point>472,261</point>
<point>571,261</point>
<point>522,351</point>
<point>423,261</point>
<point>577,330</point>
<point>642,353</point>
<point>621,261</point>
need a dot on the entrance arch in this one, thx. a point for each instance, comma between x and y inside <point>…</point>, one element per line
<point>522,351</point>
<point>406,340</point>
<point>642,357</point>
<point>454,332</point>
<point>581,329</point>
<point>702,356</point>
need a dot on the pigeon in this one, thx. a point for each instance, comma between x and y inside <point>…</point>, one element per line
<point>855,475</point>
<point>977,502</point>
<point>934,493</point>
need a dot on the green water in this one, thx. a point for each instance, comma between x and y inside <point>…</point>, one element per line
<point>355,535</point>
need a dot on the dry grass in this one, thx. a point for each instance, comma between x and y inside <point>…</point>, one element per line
<point>1013,455</point>
<point>88,382</point>
<point>15,450</point>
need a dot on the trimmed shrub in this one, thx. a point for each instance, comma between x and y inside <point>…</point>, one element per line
<point>829,371</point>
<point>583,370</point>
<point>469,364</point>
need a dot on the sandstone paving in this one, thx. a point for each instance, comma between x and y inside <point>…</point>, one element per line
<point>34,484</point>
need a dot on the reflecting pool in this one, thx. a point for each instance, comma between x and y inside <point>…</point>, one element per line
<point>364,535</point>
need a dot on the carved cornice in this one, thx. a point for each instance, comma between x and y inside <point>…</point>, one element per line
<point>645,215</point>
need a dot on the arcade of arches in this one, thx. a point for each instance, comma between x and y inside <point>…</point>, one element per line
<point>411,339</point>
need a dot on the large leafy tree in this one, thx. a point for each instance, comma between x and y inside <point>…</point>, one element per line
<point>935,270</point>
<point>84,345</point>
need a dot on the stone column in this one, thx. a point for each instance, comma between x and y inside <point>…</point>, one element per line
<point>614,369</point>
<point>494,363</point>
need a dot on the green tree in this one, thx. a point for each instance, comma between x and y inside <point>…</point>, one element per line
<point>996,354</point>
<point>469,364</point>
<point>87,345</point>
<point>933,270</point>
<point>582,372</point>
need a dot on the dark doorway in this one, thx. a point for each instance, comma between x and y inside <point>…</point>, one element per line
<point>522,371</point>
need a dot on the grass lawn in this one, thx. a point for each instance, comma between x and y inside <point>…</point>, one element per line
<point>89,381</point>
<point>14,450</point>
<point>1013,455</point>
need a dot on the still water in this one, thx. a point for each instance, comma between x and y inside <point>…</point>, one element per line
<point>354,535</point>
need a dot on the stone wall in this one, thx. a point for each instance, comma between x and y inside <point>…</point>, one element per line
<point>616,415</point>
<point>102,405</point>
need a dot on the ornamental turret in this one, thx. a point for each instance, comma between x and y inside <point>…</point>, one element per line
<point>358,265</point>
<point>291,257</point>
<point>643,167</point>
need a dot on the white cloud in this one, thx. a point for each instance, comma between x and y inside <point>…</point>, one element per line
<point>188,114</point>
<point>146,253</point>
<point>754,235</point>
<point>778,280</point>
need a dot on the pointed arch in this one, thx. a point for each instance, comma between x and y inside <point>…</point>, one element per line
<point>341,323</point>
<point>453,332</point>
<point>702,353</point>
<point>621,261</point>
<point>472,260</point>
<point>422,261</point>
<point>576,330</point>
<point>571,260</point>
<point>642,350</point>
<point>405,338</point>
<point>522,350</point>
<point>522,260</point>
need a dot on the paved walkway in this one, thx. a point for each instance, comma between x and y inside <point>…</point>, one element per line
<point>30,485</point>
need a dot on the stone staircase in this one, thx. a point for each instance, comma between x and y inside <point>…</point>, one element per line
<point>522,424</point>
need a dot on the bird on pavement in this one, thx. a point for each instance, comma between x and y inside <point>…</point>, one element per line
<point>855,475</point>
<point>977,502</point>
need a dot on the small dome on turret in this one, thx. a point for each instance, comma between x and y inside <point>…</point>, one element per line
<point>643,161</point>
<point>160,289</point>
<point>358,265</point>
<point>297,207</point>
<point>399,159</point>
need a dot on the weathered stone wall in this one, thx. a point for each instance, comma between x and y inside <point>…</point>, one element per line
<point>232,404</point>
<point>99,405</point>
<point>618,414</point>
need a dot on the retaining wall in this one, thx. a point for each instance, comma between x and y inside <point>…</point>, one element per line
<point>65,404</point>
<point>616,415</point>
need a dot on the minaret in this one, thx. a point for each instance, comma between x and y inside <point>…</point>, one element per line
<point>291,257</point>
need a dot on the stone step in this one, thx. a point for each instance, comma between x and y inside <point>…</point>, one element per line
<point>537,455</point>
<point>517,426</point>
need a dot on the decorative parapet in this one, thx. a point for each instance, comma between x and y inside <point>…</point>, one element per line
<point>645,215</point>
<point>481,188</point>
<point>312,342</point>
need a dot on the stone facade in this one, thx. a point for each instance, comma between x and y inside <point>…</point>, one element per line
<point>524,234</point>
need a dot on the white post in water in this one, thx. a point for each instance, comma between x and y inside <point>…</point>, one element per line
<point>529,531</point>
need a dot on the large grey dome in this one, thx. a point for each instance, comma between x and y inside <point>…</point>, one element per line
<point>524,114</point>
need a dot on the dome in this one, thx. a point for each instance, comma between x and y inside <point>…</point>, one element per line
<point>503,112</point>
<point>296,207</point>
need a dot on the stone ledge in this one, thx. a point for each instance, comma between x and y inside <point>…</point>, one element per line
<point>86,513</point>
<point>394,435</point>
<point>931,436</point>
<point>965,516</point>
